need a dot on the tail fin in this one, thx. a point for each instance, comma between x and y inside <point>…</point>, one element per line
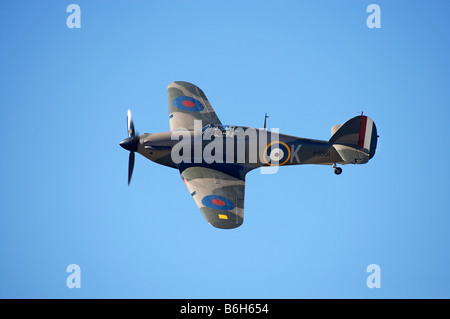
<point>356,139</point>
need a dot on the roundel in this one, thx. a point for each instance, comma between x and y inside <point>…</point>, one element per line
<point>277,153</point>
<point>217,202</point>
<point>187,103</point>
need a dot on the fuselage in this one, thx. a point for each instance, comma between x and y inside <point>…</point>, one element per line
<point>247,147</point>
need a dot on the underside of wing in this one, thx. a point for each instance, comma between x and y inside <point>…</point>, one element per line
<point>219,196</point>
<point>188,103</point>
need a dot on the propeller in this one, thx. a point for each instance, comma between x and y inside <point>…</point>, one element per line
<point>130,144</point>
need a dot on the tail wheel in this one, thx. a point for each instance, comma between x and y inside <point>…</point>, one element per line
<point>338,170</point>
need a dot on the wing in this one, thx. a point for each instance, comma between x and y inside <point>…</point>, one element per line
<point>187,103</point>
<point>219,196</point>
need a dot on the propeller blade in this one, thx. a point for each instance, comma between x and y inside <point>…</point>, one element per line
<point>130,167</point>
<point>130,125</point>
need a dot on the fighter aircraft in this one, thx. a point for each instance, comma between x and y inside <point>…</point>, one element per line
<point>213,159</point>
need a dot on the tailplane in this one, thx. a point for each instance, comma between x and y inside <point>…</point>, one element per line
<point>355,140</point>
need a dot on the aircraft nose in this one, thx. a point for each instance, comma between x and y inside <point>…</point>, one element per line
<point>129,144</point>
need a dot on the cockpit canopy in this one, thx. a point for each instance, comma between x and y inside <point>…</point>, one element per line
<point>219,130</point>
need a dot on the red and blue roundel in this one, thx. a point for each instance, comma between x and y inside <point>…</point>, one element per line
<point>217,202</point>
<point>187,103</point>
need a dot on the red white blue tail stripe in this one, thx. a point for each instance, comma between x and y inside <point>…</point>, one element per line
<point>365,132</point>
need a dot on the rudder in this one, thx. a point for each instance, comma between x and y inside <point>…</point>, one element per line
<point>356,139</point>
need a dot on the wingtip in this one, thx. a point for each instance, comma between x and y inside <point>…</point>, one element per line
<point>180,83</point>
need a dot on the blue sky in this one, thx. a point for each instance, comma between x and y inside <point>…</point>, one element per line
<point>307,233</point>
